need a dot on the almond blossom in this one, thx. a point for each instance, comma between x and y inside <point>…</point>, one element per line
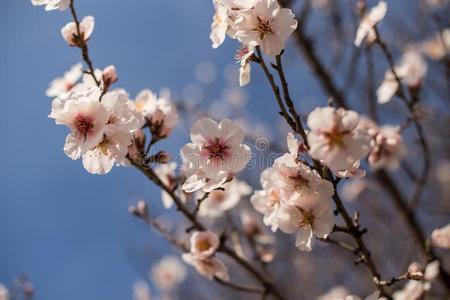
<point>160,113</point>
<point>441,237</point>
<point>61,86</point>
<point>168,273</point>
<point>266,25</point>
<point>411,70</point>
<point>203,247</point>
<point>226,12</point>
<point>86,117</point>
<point>387,149</point>
<point>117,136</point>
<point>308,217</point>
<point>335,138</point>
<point>268,200</point>
<point>368,22</point>
<point>70,33</point>
<point>52,4</point>
<point>215,155</point>
<point>219,201</point>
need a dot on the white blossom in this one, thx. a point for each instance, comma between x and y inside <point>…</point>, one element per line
<point>266,25</point>
<point>335,139</point>
<point>117,136</point>
<point>219,201</point>
<point>215,154</point>
<point>268,200</point>
<point>387,149</point>
<point>70,34</point>
<point>368,22</point>
<point>168,273</point>
<point>411,70</point>
<point>160,112</point>
<point>61,86</point>
<point>226,12</point>
<point>203,245</point>
<point>441,237</point>
<point>308,217</point>
<point>52,4</point>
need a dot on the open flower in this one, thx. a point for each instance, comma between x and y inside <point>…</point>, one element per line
<point>204,244</point>
<point>70,33</point>
<point>219,201</point>
<point>335,139</point>
<point>215,154</point>
<point>61,86</point>
<point>268,200</point>
<point>226,12</point>
<point>117,136</point>
<point>308,217</point>
<point>369,21</point>
<point>266,25</point>
<point>387,149</point>
<point>441,237</point>
<point>411,70</point>
<point>87,119</point>
<point>168,273</point>
<point>203,247</point>
<point>160,113</point>
<point>52,4</point>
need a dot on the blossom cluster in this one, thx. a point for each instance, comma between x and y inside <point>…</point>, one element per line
<point>254,23</point>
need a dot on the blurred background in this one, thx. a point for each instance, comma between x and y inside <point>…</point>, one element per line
<point>70,231</point>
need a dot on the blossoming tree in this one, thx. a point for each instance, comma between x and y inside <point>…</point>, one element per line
<point>343,150</point>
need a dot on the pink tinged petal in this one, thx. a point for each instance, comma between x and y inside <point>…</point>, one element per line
<point>244,74</point>
<point>321,118</point>
<point>71,147</point>
<point>349,119</point>
<point>284,23</point>
<point>194,183</point>
<point>96,162</point>
<point>304,239</point>
<point>231,133</point>
<point>272,44</point>
<point>204,131</point>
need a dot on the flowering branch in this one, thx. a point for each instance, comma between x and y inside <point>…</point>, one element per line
<point>268,286</point>
<point>141,212</point>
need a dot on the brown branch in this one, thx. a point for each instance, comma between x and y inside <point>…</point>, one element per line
<point>81,43</point>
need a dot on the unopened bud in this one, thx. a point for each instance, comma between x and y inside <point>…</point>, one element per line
<point>139,210</point>
<point>109,75</point>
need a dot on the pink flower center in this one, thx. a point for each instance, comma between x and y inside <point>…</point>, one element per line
<point>217,150</point>
<point>217,196</point>
<point>241,53</point>
<point>68,86</point>
<point>83,125</point>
